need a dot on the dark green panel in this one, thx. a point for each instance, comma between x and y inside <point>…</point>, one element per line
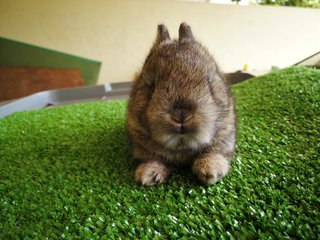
<point>18,54</point>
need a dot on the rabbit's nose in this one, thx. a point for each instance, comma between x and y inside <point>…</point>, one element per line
<point>181,117</point>
<point>180,120</point>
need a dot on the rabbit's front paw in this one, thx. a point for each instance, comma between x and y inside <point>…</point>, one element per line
<point>152,173</point>
<point>211,169</point>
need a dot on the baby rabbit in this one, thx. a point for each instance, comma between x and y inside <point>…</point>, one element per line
<point>180,112</point>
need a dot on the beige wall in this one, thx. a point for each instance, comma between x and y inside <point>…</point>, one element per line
<point>120,32</point>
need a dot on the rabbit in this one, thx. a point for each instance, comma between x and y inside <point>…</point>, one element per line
<point>180,112</point>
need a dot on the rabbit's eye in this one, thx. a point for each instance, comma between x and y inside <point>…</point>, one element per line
<point>152,85</point>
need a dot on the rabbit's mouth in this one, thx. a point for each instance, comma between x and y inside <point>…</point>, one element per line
<point>181,142</point>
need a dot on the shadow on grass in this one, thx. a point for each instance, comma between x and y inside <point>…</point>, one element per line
<point>107,153</point>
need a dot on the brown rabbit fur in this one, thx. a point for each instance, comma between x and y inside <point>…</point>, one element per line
<point>180,112</point>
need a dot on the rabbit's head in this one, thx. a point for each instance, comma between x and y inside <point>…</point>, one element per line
<point>181,95</point>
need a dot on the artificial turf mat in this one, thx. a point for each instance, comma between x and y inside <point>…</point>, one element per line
<point>66,172</point>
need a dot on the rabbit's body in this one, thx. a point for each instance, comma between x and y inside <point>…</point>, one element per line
<point>181,112</point>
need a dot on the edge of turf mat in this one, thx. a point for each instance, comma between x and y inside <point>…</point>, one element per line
<point>66,172</point>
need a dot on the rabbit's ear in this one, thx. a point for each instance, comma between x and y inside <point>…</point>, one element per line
<point>162,34</point>
<point>185,33</point>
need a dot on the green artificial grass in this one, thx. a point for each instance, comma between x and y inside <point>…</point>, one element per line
<point>66,173</point>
